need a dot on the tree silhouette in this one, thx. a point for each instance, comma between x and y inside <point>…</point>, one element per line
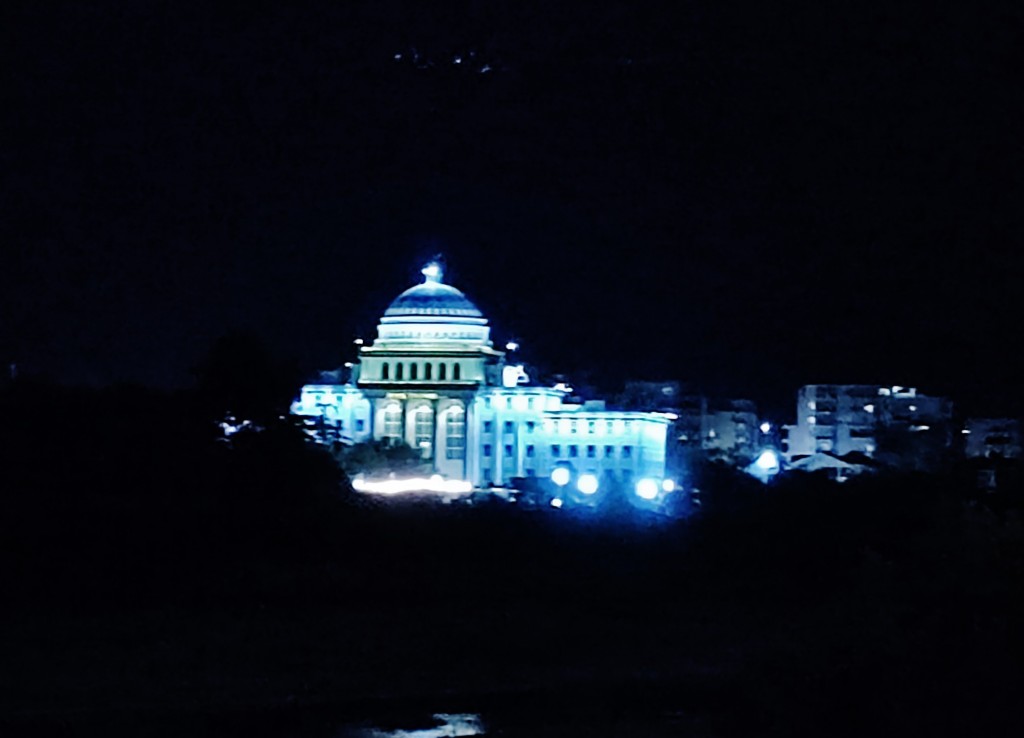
<point>241,377</point>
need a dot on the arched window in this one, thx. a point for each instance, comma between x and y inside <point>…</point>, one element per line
<point>455,433</point>
<point>412,370</point>
<point>392,424</point>
<point>384,370</point>
<point>398,371</point>
<point>442,372</point>
<point>456,371</point>
<point>425,431</point>
<point>427,371</point>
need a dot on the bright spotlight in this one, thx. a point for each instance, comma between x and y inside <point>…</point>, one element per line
<point>668,485</point>
<point>556,502</point>
<point>560,476</point>
<point>587,484</point>
<point>432,272</point>
<point>647,489</point>
<point>766,427</point>
<point>767,461</point>
<point>511,346</point>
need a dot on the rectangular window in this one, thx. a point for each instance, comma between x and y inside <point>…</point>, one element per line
<point>455,425</point>
<point>508,450</point>
<point>530,426</point>
<point>360,425</point>
<point>531,473</point>
<point>529,451</point>
<point>591,452</point>
<point>627,452</point>
<point>488,426</point>
<point>556,450</point>
<point>487,449</point>
<point>574,451</point>
<point>609,452</point>
<point>574,427</point>
<point>591,426</point>
<point>508,426</point>
<point>529,403</point>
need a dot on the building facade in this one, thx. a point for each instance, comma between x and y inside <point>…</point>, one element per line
<point>992,438</point>
<point>432,379</point>
<point>841,419</point>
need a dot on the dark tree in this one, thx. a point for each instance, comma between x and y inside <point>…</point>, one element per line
<point>242,378</point>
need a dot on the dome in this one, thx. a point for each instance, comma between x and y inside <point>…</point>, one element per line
<point>431,314</point>
<point>433,298</point>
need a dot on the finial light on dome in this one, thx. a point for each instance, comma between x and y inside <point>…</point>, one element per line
<point>432,272</point>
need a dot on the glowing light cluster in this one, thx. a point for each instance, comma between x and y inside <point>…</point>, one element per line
<point>647,489</point>
<point>435,484</point>
<point>587,484</point>
<point>560,476</point>
<point>767,461</point>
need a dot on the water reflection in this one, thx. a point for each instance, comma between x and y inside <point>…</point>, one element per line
<point>443,725</point>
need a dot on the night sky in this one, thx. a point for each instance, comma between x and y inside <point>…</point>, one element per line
<point>749,197</point>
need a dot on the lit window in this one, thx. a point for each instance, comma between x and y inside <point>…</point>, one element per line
<point>591,452</point>
<point>556,450</point>
<point>574,451</point>
<point>609,452</point>
<point>627,452</point>
<point>424,430</point>
<point>487,449</point>
<point>392,424</point>
<point>455,431</point>
<point>530,451</point>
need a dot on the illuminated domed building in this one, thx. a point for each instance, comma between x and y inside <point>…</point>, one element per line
<point>432,379</point>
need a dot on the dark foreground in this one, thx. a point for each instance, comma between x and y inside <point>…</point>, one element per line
<point>532,621</point>
<point>184,587</point>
